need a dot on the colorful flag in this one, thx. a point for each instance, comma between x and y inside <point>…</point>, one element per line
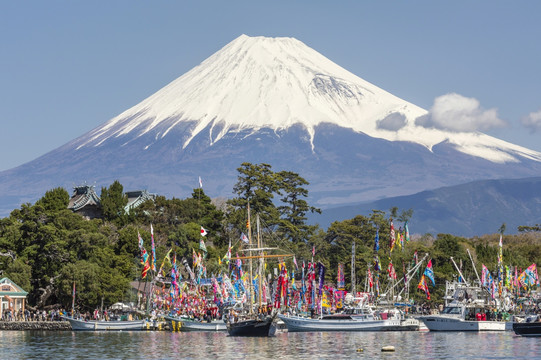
<point>339,298</point>
<point>500,256</point>
<point>203,231</point>
<point>145,262</point>
<point>202,245</point>
<point>341,281</point>
<point>391,271</point>
<point>153,248</point>
<point>321,272</point>
<point>325,300</point>
<point>140,240</point>
<point>407,232</point>
<point>377,266</point>
<point>484,271</point>
<point>376,244</point>
<point>244,238</point>
<point>529,277</point>
<point>200,183</point>
<point>392,236</point>
<point>166,257</point>
<point>424,286</point>
<point>370,279</point>
<point>295,262</point>
<point>429,272</point>
<point>313,250</point>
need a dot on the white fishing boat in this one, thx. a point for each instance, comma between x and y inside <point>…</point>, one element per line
<point>358,319</point>
<point>453,318</point>
<point>187,324</point>
<point>467,311</point>
<point>101,325</point>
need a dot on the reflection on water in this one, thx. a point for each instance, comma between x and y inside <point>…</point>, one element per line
<point>326,345</point>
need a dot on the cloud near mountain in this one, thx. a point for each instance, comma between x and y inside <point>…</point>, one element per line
<point>277,101</point>
<point>532,121</point>
<point>454,112</point>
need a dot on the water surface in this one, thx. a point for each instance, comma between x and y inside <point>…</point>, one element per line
<point>325,345</point>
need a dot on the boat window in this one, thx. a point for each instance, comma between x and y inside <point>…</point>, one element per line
<point>451,310</point>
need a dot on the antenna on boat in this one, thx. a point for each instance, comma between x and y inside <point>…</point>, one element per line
<point>460,272</point>
<point>474,268</point>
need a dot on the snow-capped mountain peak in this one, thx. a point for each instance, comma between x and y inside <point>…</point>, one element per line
<point>261,82</point>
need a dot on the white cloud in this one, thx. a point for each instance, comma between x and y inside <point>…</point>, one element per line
<point>392,122</point>
<point>458,113</point>
<point>532,121</point>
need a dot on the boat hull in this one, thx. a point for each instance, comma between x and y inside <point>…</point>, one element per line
<point>301,324</point>
<point>442,323</point>
<point>252,328</point>
<point>82,325</point>
<point>179,324</point>
<point>528,329</point>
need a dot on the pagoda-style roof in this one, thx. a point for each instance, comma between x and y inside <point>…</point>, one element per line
<point>9,288</point>
<point>136,198</point>
<point>83,195</point>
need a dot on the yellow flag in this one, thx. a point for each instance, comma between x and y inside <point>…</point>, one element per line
<point>325,300</point>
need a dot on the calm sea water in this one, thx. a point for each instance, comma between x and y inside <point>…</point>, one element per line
<point>326,345</point>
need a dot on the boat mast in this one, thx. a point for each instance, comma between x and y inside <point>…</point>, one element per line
<point>456,267</point>
<point>474,268</point>
<point>251,274</point>
<point>353,280</point>
<point>73,300</point>
<point>260,271</point>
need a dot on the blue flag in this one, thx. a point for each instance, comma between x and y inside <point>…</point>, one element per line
<point>429,272</point>
<point>376,245</point>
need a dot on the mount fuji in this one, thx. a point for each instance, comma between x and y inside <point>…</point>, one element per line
<point>275,101</point>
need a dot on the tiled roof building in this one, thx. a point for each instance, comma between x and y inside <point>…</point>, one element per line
<point>85,201</point>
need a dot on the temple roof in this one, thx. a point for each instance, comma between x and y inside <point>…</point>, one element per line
<point>83,195</point>
<point>136,198</point>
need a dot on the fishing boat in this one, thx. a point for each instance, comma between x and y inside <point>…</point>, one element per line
<point>188,324</point>
<point>354,319</point>
<point>530,327</point>
<point>466,312</point>
<point>101,325</point>
<point>257,325</point>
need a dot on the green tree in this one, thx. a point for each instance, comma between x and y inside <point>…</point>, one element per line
<point>54,200</point>
<point>113,200</point>
<point>256,184</point>
<point>293,211</point>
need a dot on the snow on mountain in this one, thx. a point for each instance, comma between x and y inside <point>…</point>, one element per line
<point>260,82</point>
<point>274,101</point>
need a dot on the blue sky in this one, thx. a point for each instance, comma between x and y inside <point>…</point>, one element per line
<point>68,66</point>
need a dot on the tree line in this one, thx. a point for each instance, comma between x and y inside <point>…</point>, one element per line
<point>45,247</point>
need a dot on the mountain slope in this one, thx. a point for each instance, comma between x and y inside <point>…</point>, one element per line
<point>277,101</point>
<point>471,209</point>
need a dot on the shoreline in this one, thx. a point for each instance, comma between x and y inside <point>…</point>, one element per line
<point>35,325</point>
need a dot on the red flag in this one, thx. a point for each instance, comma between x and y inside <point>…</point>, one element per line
<point>390,270</point>
<point>424,286</point>
<point>392,236</point>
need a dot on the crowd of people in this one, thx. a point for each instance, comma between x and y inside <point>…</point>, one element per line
<point>31,315</point>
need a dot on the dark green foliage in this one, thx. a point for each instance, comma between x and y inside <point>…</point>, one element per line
<point>54,200</point>
<point>45,247</point>
<point>113,200</point>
